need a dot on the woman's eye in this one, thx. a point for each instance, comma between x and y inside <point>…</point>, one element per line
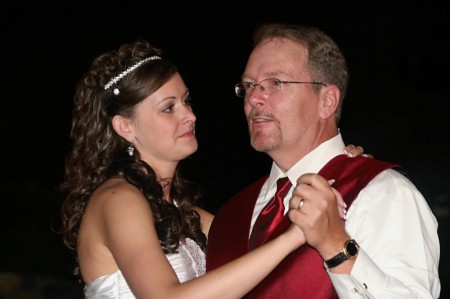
<point>169,108</point>
<point>187,101</point>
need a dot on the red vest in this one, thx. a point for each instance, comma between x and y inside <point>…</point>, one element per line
<point>301,273</point>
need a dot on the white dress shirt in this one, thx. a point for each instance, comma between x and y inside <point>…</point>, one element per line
<point>391,221</point>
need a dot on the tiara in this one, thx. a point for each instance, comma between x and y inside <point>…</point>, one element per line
<point>129,70</point>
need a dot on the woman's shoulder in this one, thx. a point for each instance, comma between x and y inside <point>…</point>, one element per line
<point>117,219</point>
<point>118,196</point>
<point>116,188</point>
<point>116,185</point>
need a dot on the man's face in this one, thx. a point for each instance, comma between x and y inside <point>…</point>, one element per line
<point>281,121</point>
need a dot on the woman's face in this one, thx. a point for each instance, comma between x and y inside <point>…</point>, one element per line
<point>164,124</point>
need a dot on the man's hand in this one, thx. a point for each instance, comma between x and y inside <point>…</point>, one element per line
<point>317,208</point>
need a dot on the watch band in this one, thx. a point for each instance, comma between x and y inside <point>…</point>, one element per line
<point>336,260</point>
<point>349,250</point>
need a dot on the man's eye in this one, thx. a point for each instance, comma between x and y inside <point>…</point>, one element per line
<point>275,82</point>
<point>247,85</point>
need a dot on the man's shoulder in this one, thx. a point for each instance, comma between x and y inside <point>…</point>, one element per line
<point>342,165</point>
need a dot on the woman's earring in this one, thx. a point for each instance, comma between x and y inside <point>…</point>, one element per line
<point>130,150</point>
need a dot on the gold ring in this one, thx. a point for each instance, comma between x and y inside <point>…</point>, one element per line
<point>300,204</point>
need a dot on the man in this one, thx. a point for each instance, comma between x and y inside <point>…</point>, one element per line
<point>293,87</point>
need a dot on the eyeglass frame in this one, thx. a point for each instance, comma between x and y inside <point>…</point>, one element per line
<point>239,86</point>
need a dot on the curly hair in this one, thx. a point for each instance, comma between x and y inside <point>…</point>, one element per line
<point>99,153</point>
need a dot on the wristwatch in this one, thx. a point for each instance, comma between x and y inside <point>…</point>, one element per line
<point>349,251</point>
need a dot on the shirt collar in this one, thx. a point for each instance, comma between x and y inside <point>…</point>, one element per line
<point>311,163</point>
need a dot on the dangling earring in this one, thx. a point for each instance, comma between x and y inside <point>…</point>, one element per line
<point>130,150</point>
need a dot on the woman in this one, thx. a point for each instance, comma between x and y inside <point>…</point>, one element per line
<point>128,213</point>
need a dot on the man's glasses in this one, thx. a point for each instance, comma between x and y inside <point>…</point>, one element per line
<point>267,86</point>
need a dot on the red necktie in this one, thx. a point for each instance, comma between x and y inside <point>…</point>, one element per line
<point>271,215</point>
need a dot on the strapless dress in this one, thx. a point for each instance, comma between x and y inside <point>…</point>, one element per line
<point>188,263</point>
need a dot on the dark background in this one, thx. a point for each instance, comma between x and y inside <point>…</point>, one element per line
<point>397,105</point>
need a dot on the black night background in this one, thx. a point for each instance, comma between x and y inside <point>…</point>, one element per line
<point>397,105</point>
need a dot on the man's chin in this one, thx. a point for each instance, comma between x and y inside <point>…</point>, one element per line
<point>263,146</point>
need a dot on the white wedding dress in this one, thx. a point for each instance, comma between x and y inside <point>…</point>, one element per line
<point>188,263</point>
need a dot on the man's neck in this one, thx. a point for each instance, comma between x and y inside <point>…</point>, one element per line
<point>285,158</point>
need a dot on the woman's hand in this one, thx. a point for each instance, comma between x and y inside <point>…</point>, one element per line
<point>353,151</point>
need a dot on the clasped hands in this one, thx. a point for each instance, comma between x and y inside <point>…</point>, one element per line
<point>318,211</point>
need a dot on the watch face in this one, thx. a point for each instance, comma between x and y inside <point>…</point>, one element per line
<point>352,248</point>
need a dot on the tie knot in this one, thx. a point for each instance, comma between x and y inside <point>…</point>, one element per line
<point>283,183</point>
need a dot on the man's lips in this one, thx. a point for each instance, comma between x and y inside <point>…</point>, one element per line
<point>261,120</point>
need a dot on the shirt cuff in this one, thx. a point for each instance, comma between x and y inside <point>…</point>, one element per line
<point>366,279</point>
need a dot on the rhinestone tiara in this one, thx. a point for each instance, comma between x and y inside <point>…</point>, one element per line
<point>129,70</point>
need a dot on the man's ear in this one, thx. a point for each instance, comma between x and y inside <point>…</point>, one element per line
<point>329,101</point>
<point>123,127</point>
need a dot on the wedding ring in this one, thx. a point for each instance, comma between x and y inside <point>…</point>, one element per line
<point>300,204</point>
